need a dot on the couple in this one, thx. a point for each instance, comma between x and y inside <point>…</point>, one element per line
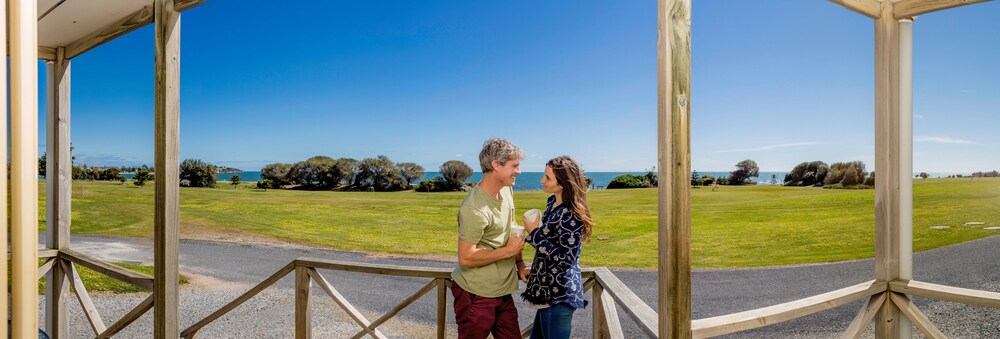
<point>489,254</point>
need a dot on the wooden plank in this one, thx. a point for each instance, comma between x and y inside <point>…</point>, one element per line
<point>135,278</point>
<point>887,160</point>
<point>868,8</point>
<point>45,267</point>
<point>193,329</point>
<point>918,318</point>
<point>442,308</point>
<point>85,302</point>
<point>613,327</point>
<point>42,253</point>
<point>947,293</point>
<point>911,8</point>
<point>46,53</point>
<point>23,92</point>
<point>344,304</point>
<point>121,27</point>
<point>742,321</point>
<point>128,318</point>
<point>864,317</point>
<point>599,327</point>
<point>674,161</point>
<point>166,212</point>
<point>58,189</point>
<point>642,314</point>
<point>394,270</point>
<point>404,304</point>
<point>303,310</point>
<point>4,265</point>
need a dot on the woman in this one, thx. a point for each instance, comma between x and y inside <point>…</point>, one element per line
<point>554,284</point>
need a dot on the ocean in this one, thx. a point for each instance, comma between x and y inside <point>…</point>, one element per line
<point>529,181</point>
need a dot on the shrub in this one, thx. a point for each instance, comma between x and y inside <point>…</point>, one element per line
<point>745,170</point>
<point>430,185</point>
<point>807,174</point>
<point>379,174</point>
<point>277,174</point>
<point>706,180</point>
<point>628,181</point>
<point>455,173</point>
<point>846,173</point>
<point>198,173</point>
<point>265,183</point>
<point>141,176</point>
<point>234,180</point>
<point>410,171</point>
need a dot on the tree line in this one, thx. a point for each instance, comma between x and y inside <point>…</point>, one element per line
<point>370,174</point>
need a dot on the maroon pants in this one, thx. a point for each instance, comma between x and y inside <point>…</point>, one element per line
<point>477,316</point>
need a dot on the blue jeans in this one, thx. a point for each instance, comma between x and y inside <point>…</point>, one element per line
<point>553,322</point>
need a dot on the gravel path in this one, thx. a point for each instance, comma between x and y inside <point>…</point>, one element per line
<point>221,271</point>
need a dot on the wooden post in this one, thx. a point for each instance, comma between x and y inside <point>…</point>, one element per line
<point>600,327</point>
<point>887,163</point>
<point>673,141</point>
<point>905,148</point>
<point>3,155</point>
<point>58,189</point>
<point>442,315</point>
<point>167,30</point>
<point>303,311</point>
<point>24,168</point>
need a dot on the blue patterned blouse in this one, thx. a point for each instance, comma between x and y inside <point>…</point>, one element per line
<point>555,272</point>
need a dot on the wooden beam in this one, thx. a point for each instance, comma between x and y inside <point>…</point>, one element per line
<point>742,321</point>
<point>406,302</point>
<point>394,270</point>
<point>121,27</point>
<point>166,211</point>
<point>598,325</point>
<point>128,319</point>
<point>58,189</point>
<point>46,266</point>
<point>442,308</point>
<point>910,8</point>
<point>887,162</point>
<point>23,128</point>
<point>344,304</point>
<point>613,326</point>
<point>642,314</point>
<point>919,319</point>
<point>4,268</point>
<point>193,329</point>
<point>868,8</point>
<point>135,278</point>
<point>674,150</point>
<point>303,309</point>
<point>864,317</point>
<point>47,53</point>
<point>947,293</point>
<point>85,302</point>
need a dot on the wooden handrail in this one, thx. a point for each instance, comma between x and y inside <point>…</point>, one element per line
<point>281,273</point>
<point>742,321</point>
<point>946,293</point>
<point>394,270</point>
<point>135,278</point>
<point>642,314</point>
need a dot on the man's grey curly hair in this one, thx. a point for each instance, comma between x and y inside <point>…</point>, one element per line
<point>499,150</point>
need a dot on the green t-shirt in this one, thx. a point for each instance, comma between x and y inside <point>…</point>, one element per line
<point>485,221</point>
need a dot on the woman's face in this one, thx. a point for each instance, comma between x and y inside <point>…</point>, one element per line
<point>549,184</point>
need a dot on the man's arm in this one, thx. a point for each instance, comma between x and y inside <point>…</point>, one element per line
<point>470,256</point>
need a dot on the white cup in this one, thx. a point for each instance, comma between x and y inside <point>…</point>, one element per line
<point>517,229</point>
<point>533,215</point>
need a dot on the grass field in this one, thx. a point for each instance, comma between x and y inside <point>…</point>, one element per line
<point>732,227</point>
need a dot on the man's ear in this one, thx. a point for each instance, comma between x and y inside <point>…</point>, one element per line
<point>495,164</point>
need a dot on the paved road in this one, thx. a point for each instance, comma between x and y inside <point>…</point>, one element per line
<point>715,292</point>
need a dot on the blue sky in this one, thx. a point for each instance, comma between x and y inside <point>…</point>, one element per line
<point>779,82</point>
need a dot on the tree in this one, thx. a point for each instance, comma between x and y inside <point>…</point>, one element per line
<point>410,171</point>
<point>234,180</point>
<point>455,173</point>
<point>694,178</point>
<point>923,175</point>
<point>198,173</point>
<point>807,174</point>
<point>322,172</point>
<point>41,165</point>
<point>276,174</point>
<point>774,179</point>
<point>745,170</point>
<point>846,174</point>
<point>141,176</point>
<point>379,173</point>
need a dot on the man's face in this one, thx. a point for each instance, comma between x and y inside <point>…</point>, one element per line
<point>508,171</point>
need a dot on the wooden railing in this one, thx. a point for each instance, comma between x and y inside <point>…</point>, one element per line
<point>608,292</point>
<point>68,260</point>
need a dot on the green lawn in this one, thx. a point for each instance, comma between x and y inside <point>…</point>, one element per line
<point>732,227</point>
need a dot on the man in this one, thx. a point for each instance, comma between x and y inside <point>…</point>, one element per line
<point>489,255</point>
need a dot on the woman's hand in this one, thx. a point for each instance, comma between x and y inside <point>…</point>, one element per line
<point>530,225</point>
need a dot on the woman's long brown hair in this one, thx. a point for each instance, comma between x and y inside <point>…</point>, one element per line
<point>574,192</point>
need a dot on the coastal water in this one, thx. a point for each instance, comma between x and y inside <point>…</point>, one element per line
<point>529,181</point>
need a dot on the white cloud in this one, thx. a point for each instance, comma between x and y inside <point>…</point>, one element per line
<point>459,155</point>
<point>767,148</point>
<point>918,116</point>
<point>942,140</point>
